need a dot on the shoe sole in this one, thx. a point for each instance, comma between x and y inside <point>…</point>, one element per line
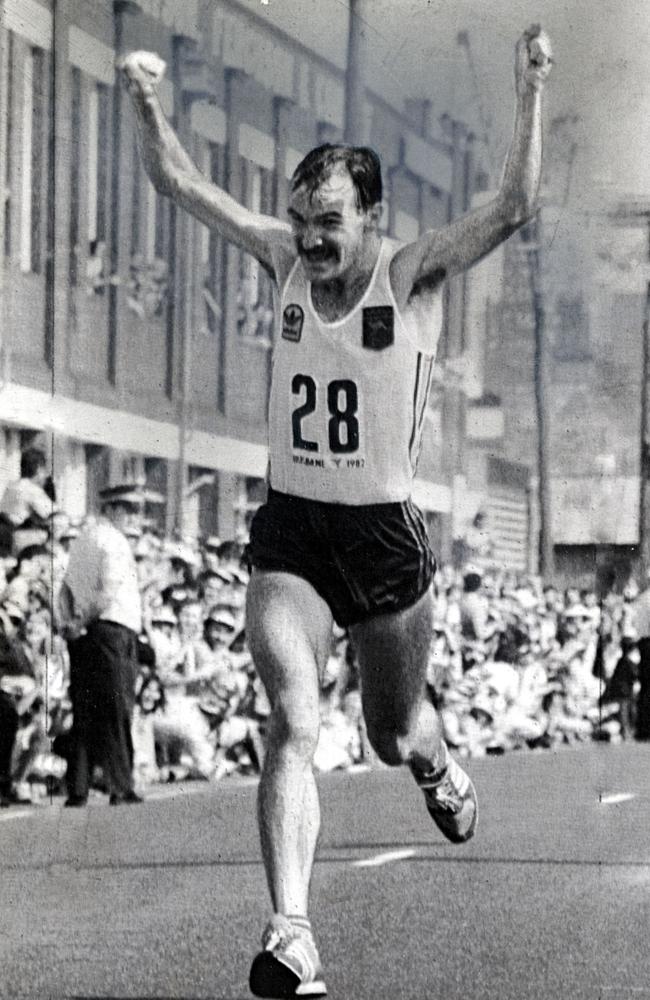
<point>274,980</point>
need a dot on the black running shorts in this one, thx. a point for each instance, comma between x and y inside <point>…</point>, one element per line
<point>363,561</point>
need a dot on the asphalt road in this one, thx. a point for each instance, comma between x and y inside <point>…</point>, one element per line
<point>167,899</point>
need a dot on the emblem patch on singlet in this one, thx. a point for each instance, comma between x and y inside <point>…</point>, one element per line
<point>378,327</point>
<point>292,320</point>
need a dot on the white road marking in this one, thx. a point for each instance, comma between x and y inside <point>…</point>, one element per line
<point>15,815</point>
<point>384,859</point>
<point>612,800</point>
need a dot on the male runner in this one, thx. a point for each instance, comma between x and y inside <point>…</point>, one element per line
<point>339,538</point>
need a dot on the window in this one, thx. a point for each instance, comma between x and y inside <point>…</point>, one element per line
<point>148,278</point>
<point>136,171</point>
<point>254,297</point>
<point>33,159</point>
<point>212,247</point>
<point>98,131</point>
<point>572,336</point>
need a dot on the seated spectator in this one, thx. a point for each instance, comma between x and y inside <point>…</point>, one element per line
<point>181,728</point>
<point>18,690</point>
<point>26,506</point>
<point>44,717</point>
<point>212,583</point>
<point>33,566</point>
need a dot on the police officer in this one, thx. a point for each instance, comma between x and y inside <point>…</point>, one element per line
<point>101,611</point>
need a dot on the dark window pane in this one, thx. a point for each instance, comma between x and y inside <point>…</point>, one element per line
<point>9,139</point>
<point>103,126</point>
<point>135,204</point>
<point>75,169</point>
<point>38,155</point>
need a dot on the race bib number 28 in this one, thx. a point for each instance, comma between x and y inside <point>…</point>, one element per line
<point>325,418</point>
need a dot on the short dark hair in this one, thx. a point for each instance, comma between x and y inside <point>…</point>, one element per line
<point>361,162</point>
<point>31,461</point>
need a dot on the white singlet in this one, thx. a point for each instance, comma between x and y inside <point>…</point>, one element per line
<point>348,398</point>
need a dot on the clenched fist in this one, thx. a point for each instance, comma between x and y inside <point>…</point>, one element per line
<point>142,72</point>
<point>534,58</point>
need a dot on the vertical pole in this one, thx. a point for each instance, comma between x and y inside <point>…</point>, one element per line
<point>118,205</point>
<point>644,460</point>
<point>541,383</point>
<point>4,153</point>
<point>183,295</point>
<point>354,82</point>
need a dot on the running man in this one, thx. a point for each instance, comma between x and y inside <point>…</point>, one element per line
<point>339,538</point>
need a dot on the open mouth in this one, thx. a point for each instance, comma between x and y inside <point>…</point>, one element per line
<point>319,256</point>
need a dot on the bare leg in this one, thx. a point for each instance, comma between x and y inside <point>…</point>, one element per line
<point>393,652</point>
<point>403,726</point>
<point>288,627</point>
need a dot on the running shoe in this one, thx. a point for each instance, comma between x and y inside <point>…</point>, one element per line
<point>288,965</point>
<point>450,797</point>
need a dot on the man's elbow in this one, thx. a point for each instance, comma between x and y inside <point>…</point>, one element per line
<point>164,176</point>
<point>520,207</point>
<point>163,180</point>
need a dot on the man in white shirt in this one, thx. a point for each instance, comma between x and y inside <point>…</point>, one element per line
<point>101,611</point>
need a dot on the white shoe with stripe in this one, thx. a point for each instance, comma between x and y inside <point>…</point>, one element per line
<point>288,966</point>
<point>450,797</point>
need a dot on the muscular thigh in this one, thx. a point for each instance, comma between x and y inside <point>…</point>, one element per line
<point>288,626</point>
<point>393,654</point>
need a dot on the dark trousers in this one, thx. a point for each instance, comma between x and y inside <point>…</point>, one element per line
<point>643,703</point>
<point>103,669</point>
<point>8,730</point>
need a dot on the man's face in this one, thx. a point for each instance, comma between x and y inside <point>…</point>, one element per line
<point>212,590</point>
<point>125,517</point>
<point>328,226</point>
<point>190,620</point>
<point>211,559</point>
<point>217,634</point>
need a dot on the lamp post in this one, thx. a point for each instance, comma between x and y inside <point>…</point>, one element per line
<point>531,239</point>
<point>354,77</point>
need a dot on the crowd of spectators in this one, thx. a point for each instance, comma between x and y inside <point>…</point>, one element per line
<point>514,665</point>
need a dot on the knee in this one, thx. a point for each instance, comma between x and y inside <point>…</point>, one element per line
<point>391,747</point>
<point>293,729</point>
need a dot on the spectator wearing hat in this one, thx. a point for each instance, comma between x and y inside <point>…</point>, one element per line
<point>212,583</point>
<point>181,726</point>
<point>26,506</point>
<point>101,610</point>
<point>163,636</point>
<point>210,552</point>
<point>33,567</point>
<point>476,623</point>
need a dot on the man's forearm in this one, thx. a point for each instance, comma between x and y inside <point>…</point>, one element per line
<point>162,153</point>
<point>521,178</point>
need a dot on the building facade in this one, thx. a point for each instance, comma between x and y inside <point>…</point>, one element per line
<point>134,341</point>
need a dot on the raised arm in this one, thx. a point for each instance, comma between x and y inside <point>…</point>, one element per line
<point>454,248</point>
<point>173,173</point>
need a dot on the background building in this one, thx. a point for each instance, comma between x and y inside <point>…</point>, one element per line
<point>134,342</point>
